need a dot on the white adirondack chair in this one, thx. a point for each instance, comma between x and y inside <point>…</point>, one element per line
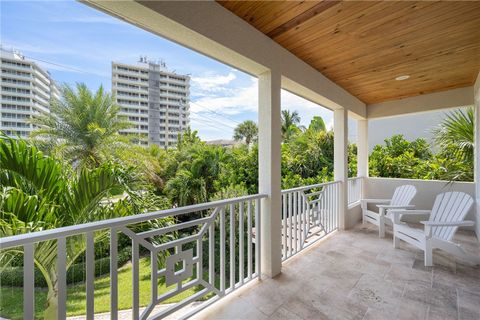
<point>401,199</point>
<point>448,213</point>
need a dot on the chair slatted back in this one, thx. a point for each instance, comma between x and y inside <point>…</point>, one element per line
<point>449,207</point>
<point>403,195</point>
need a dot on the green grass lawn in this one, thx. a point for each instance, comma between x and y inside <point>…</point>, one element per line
<point>11,299</point>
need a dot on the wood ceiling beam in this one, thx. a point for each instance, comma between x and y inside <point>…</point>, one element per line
<point>298,20</point>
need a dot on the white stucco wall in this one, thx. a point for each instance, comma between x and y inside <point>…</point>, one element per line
<point>447,99</point>
<point>354,215</point>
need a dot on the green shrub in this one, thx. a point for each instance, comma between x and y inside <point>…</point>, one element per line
<point>13,276</point>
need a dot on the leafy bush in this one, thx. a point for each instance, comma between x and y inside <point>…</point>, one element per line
<point>13,276</point>
<point>400,158</point>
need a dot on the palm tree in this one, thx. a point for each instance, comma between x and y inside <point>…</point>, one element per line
<point>247,130</point>
<point>82,126</point>
<point>455,137</point>
<point>188,137</point>
<point>186,188</point>
<point>38,192</point>
<point>197,175</point>
<point>457,131</point>
<point>290,122</point>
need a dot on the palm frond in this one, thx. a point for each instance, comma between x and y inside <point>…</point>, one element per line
<point>82,126</point>
<point>457,131</point>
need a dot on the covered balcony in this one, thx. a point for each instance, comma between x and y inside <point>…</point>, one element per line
<point>354,275</point>
<point>301,253</point>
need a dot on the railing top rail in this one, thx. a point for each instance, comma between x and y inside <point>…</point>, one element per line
<point>355,178</point>
<point>50,234</point>
<point>310,186</point>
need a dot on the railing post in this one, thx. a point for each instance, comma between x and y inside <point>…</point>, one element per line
<point>113,274</point>
<point>62,277</point>
<point>269,159</point>
<point>28,281</point>
<point>340,167</point>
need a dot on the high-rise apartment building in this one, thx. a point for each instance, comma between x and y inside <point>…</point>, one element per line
<point>26,90</point>
<point>155,100</point>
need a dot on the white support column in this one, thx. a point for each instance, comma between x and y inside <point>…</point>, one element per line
<point>476,170</point>
<point>340,167</point>
<point>362,153</point>
<point>362,148</point>
<point>269,174</point>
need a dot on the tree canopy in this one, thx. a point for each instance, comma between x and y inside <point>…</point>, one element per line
<point>82,126</point>
<point>246,131</point>
<point>39,192</point>
<point>290,123</point>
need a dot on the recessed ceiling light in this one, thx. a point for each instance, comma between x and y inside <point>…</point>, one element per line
<point>404,77</point>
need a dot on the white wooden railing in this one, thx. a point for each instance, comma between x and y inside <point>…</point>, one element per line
<point>238,255</point>
<point>354,189</point>
<point>308,214</point>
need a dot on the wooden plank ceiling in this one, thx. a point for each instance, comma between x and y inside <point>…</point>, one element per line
<point>364,46</point>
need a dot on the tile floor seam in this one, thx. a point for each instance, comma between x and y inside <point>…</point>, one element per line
<point>431,278</point>
<point>458,303</point>
<point>266,315</point>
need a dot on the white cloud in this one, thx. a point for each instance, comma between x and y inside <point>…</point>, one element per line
<point>219,103</point>
<point>213,110</point>
<point>49,48</point>
<point>212,82</point>
<point>228,101</point>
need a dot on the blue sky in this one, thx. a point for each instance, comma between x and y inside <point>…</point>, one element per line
<point>76,43</point>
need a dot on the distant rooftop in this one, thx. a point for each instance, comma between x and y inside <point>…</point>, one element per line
<point>14,54</point>
<point>11,53</point>
<point>144,62</point>
<point>223,142</point>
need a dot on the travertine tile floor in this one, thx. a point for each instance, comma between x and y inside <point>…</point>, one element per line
<point>355,275</point>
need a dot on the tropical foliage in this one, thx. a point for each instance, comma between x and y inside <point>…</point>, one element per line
<point>82,127</point>
<point>307,157</point>
<point>455,138</point>
<point>399,158</point>
<point>456,133</point>
<point>453,161</point>
<point>290,123</point>
<point>246,131</point>
<point>39,192</point>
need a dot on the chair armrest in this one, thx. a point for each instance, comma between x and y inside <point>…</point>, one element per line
<point>387,206</point>
<point>397,212</point>
<point>365,202</point>
<point>465,223</point>
<point>384,208</point>
<point>430,224</point>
